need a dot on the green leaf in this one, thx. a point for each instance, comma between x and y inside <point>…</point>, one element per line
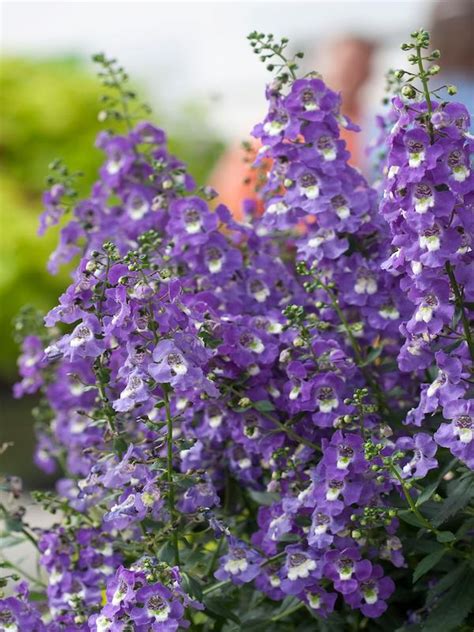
<point>166,553</point>
<point>453,607</point>
<point>459,496</point>
<point>10,540</point>
<point>426,493</point>
<point>446,582</point>
<point>445,536</point>
<point>120,446</point>
<point>264,498</point>
<point>264,406</point>
<point>408,517</point>
<point>36,596</point>
<point>371,356</point>
<point>192,586</point>
<point>13,524</point>
<point>427,563</point>
<point>220,607</point>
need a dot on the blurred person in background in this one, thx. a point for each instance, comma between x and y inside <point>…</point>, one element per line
<point>452,32</point>
<point>346,64</point>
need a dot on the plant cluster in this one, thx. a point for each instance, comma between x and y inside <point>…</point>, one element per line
<point>266,425</point>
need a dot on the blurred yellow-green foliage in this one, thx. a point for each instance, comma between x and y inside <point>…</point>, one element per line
<point>49,110</point>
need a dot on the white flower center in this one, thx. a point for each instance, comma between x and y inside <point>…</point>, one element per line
<point>301,569</point>
<point>277,208</point>
<point>235,566</point>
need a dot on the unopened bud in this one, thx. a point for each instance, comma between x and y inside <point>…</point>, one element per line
<point>408,92</point>
<point>244,402</point>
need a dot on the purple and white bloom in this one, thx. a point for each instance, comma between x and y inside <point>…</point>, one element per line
<point>241,564</point>
<point>161,611</point>
<point>424,448</point>
<point>372,590</point>
<point>134,392</point>
<point>458,435</point>
<point>300,569</point>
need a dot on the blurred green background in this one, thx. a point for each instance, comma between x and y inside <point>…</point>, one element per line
<point>49,110</point>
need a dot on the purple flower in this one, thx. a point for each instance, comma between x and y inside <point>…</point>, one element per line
<point>134,392</point>
<point>424,449</point>
<point>458,435</point>
<point>241,564</point>
<point>160,610</point>
<point>300,569</point>
<point>372,591</point>
<point>198,497</point>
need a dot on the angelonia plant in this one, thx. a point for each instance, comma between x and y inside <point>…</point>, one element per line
<point>264,425</point>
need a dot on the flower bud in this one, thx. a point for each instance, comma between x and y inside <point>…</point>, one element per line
<point>244,402</point>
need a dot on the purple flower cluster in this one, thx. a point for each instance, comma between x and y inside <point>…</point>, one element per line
<point>19,613</point>
<point>224,400</point>
<point>429,189</point>
<point>135,599</point>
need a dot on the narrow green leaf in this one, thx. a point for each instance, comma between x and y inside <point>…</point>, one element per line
<point>371,356</point>
<point>458,497</point>
<point>192,586</point>
<point>264,498</point>
<point>427,563</point>
<point>264,406</point>
<point>220,607</point>
<point>446,582</point>
<point>452,609</point>
<point>426,493</point>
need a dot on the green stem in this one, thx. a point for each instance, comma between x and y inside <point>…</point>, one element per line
<point>286,613</point>
<point>23,529</point>
<point>290,432</point>
<point>283,427</point>
<point>101,386</point>
<point>414,509</point>
<point>214,557</point>
<point>424,521</point>
<point>169,471</point>
<point>426,91</point>
<point>460,304</point>
<point>27,576</point>
<point>123,99</point>
<point>214,587</point>
<point>108,410</point>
